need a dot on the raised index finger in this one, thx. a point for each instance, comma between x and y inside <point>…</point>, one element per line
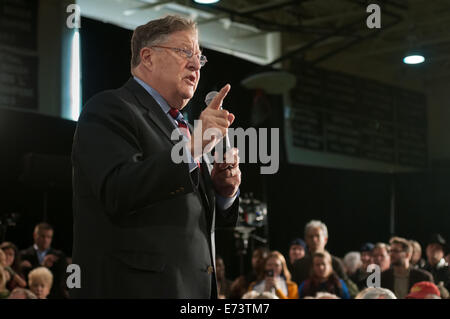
<point>216,103</point>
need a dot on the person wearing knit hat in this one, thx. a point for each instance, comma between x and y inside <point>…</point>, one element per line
<point>424,290</point>
<point>436,263</point>
<point>297,250</point>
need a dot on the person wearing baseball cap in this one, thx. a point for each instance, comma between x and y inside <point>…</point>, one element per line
<point>424,290</point>
<point>436,263</point>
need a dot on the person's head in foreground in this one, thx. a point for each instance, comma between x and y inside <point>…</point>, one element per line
<point>40,281</point>
<point>375,293</point>
<point>424,290</point>
<point>259,295</point>
<point>21,293</point>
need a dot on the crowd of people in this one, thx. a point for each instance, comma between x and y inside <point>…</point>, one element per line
<point>393,270</point>
<point>37,272</point>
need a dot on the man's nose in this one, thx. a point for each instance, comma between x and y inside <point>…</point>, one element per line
<point>194,63</point>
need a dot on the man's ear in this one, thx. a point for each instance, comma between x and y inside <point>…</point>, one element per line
<point>146,56</point>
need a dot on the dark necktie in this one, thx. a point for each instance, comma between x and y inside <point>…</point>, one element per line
<point>182,125</point>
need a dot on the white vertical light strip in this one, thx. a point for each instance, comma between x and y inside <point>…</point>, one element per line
<point>75,77</point>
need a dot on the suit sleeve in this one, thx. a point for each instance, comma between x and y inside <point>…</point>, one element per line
<point>107,153</point>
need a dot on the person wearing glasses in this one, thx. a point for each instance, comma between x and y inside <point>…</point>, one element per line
<point>401,276</point>
<point>143,220</point>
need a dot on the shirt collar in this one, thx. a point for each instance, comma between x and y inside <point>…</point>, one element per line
<point>159,99</point>
<point>40,251</point>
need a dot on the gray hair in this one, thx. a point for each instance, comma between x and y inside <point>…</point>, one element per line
<point>352,261</point>
<point>376,293</point>
<point>326,295</point>
<point>256,295</point>
<point>156,32</point>
<point>316,224</point>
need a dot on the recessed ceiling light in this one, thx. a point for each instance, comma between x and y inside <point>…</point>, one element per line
<point>413,59</point>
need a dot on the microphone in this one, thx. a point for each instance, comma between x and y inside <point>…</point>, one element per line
<point>208,99</point>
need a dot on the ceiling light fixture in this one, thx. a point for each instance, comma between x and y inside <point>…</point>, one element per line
<point>413,59</point>
<point>206,1</point>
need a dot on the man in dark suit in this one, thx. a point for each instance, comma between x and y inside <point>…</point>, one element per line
<point>401,276</point>
<point>144,221</point>
<point>42,254</point>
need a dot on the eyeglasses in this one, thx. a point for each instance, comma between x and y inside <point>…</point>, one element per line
<point>188,54</point>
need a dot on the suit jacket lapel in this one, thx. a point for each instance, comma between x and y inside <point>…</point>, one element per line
<point>154,112</point>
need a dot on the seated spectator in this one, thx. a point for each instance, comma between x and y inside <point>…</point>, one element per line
<point>417,262</point>
<point>21,293</point>
<point>223,284</point>
<point>240,285</point>
<point>297,250</point>
<point>12,265</point>
<point>316,237</point>
<point>256,295</point>
<point>424,290</point>
<point>42,254</point>
<point>381,256</point>
<point>276,278</point>
<point>4,292</point>
<point>323,278</point>
<point>376,293</point>
<point>40,281</point>
<point>401,277</point>
<point>436,263</point>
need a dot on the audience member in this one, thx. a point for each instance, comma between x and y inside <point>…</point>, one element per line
<point>42,254</point>
<point>424,290</point>
<point>297,250</point>
<point>366,255</point>
<point>240,285</point>
<point>359,277</point>
<point>223,284</point>
<point>416,261</point>
<point>376,293</point>
<point>4,292</point>
<point>401,277</point>
<point>323,278</point>
<point>381,256</point>
<point>276,278</point>
<point>436,263</point>
<point>316,237</point>
<point>352,262</point>
<point>40,281</point>
<point>12,265</point>
<point>21,293</point>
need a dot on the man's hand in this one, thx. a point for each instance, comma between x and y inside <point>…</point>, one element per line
<point>215,123</point>
<point>49,260</point>
<point>226,177</point>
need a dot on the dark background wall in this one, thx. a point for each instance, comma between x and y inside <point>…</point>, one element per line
<point>354,205</point>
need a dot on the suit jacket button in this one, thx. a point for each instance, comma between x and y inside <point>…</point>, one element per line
<point>210,270</point>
